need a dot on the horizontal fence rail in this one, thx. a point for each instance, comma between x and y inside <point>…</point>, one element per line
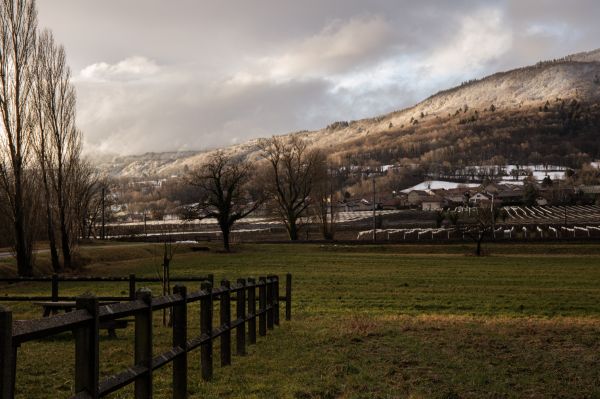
<point>85,323</point>
<point>55,281</point>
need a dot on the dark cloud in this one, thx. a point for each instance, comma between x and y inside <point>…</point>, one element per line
<point>155,75</point>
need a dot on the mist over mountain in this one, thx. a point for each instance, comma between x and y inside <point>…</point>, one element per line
<point>544,113</point>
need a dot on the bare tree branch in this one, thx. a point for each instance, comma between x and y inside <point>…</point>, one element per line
<point>224,194</point>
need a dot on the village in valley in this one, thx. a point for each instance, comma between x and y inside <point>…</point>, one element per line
<point>537,201</point>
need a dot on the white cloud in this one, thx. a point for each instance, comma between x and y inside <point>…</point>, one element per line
<point>339,47</point>
<point>132,68</point>
<point>480,39</point>
<point>483,37</point>
<point>553,31</point>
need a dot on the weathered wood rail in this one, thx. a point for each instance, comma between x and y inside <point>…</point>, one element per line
<point>85,324</point>
<point>55,281</point>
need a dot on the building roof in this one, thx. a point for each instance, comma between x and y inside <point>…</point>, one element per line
<point>439,184</point>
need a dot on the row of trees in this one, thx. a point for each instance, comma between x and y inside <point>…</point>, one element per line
<point>295,181</point>
<point>43,179</point>
<point>292,180</point>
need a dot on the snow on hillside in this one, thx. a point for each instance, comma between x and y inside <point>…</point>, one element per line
<point>439,185</point>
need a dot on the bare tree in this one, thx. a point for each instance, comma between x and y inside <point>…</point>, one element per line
<point>18,23</point>
<point>292,173</point>
<point>43,150</point>
<point>224,192</point>
<point>85,201</point>
<point>323,201</point>
<point>482,226</point>
<point>59,140</point>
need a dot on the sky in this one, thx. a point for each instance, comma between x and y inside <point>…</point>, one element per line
<point>155,75</point>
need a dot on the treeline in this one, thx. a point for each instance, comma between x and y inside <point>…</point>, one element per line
<point>46,189</point>
<point>291,181</point>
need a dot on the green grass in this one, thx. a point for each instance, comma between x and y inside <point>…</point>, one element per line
<point>371,321</point>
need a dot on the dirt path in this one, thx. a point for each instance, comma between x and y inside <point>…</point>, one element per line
<point>9,254</point>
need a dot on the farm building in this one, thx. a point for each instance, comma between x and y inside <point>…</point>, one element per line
<point>399,201</point>
<point>416,197</point>
<point>454,196</point>
<point>432,203</point>
<point>510,196</point>
<point>481,199</point>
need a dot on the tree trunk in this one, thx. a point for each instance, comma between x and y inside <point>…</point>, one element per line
<point>64,233</point>
<point>50,225</point>
<point>479,240</point>
<point>293,229</point>
<point>65,243</point>
<point>24,267</point>
<point>22,246</point>
<point>225,231</point>
<point>52,242</point>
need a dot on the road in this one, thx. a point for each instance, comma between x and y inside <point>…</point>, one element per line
<point>8,254</point>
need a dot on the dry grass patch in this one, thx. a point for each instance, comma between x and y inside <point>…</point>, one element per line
<point>457,356</point>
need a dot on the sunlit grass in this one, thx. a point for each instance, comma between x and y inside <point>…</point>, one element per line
<point>372,321</point>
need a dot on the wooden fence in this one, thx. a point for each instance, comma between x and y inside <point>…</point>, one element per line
<point>85,324</point>
<point>55,281</point>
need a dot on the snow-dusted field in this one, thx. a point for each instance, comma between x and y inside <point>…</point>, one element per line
<point>342,217</point>
<point>553,214</point>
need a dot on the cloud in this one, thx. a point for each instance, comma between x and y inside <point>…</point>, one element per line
<point>338,47</point>
<point>132,68</point>
<point>132,105</point>
<point>483,37</point>
<point>176,111</point>
<point>479,39</point>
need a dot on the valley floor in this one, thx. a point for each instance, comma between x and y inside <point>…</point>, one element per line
<point>371,321</point>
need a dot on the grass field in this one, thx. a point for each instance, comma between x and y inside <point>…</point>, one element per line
<point>425,321</point>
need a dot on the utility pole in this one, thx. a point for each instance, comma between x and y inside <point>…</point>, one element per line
<point>374,216</point>
<point>330,173</point>
<point>103,215</point>
<point>493,219</point>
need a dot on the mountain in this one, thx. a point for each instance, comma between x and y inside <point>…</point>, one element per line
<point>545,113</point>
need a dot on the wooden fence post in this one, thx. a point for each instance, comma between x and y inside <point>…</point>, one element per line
<point>252,311</point>
<point>87,352</point>
<point>54,289</point>
<point>132,287</point>
<point>225,310</point>
<point>206,321</point>
<point>276,299</point>
<point>288,296</point>
<point>262,305</point>
<point>270,302</point>
<point>180,363</point>
<point>143,345</point>
<point>7,355</point>
<point>211,278</point>
<point>240,308</point>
